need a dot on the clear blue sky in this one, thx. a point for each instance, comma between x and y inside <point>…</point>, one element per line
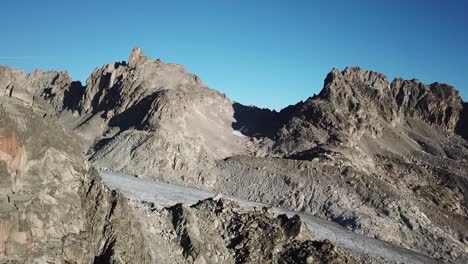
<point>267,53</point>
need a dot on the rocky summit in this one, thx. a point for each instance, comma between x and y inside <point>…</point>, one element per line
<point>386,160</point>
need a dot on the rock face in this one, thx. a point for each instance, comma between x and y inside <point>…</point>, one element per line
<point>53,208</point>
<point>381,159</point>
<point>385,159</point>
<point>56,88</point>
<point>437,104</point>
<point>356,102</point>
<point>170,120</point>
<point>244,235</point>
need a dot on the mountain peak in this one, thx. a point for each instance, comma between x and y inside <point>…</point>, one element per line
<point>354,83</point>
<point>136,58</point>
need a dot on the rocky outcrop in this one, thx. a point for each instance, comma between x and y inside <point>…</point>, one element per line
<point>355,88</point>
<point>112,233</point>
<point>33,226</point>
<point>356,102</point>
<point>55,88</point>
<point>53,206</point>
<point>170,120</point>
<point>437,104</point>
<point>380,159</point>
<point>137,58</point>
<point>245,235</point>
<point>222,231</point>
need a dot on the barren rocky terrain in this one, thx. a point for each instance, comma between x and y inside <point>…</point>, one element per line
<point>157,194</point>
<point>388,160</point>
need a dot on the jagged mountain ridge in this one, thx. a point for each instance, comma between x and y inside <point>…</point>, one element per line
<point>356,102</point>
<point>146,95</point>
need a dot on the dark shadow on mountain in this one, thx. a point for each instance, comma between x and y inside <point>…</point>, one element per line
<point>462,126</point>
<point>47,93</point>
<point>112,96</point>
<point>110,91</point>
<point>73,96</point>
<point>134,116</point>
<point>101,143</point>
<point>106,255</point>
<point>255,122</point>
<point>310,154</point>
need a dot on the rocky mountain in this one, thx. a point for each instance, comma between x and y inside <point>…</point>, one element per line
<point>356,102</point>
<point>57,88</point>
<point>168,118</point>
<point>55,208</point>
<point>384,159</point>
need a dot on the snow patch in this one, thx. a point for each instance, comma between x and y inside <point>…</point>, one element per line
<point>239,131</point>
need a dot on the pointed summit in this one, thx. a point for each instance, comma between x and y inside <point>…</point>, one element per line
<point>136,57</point>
